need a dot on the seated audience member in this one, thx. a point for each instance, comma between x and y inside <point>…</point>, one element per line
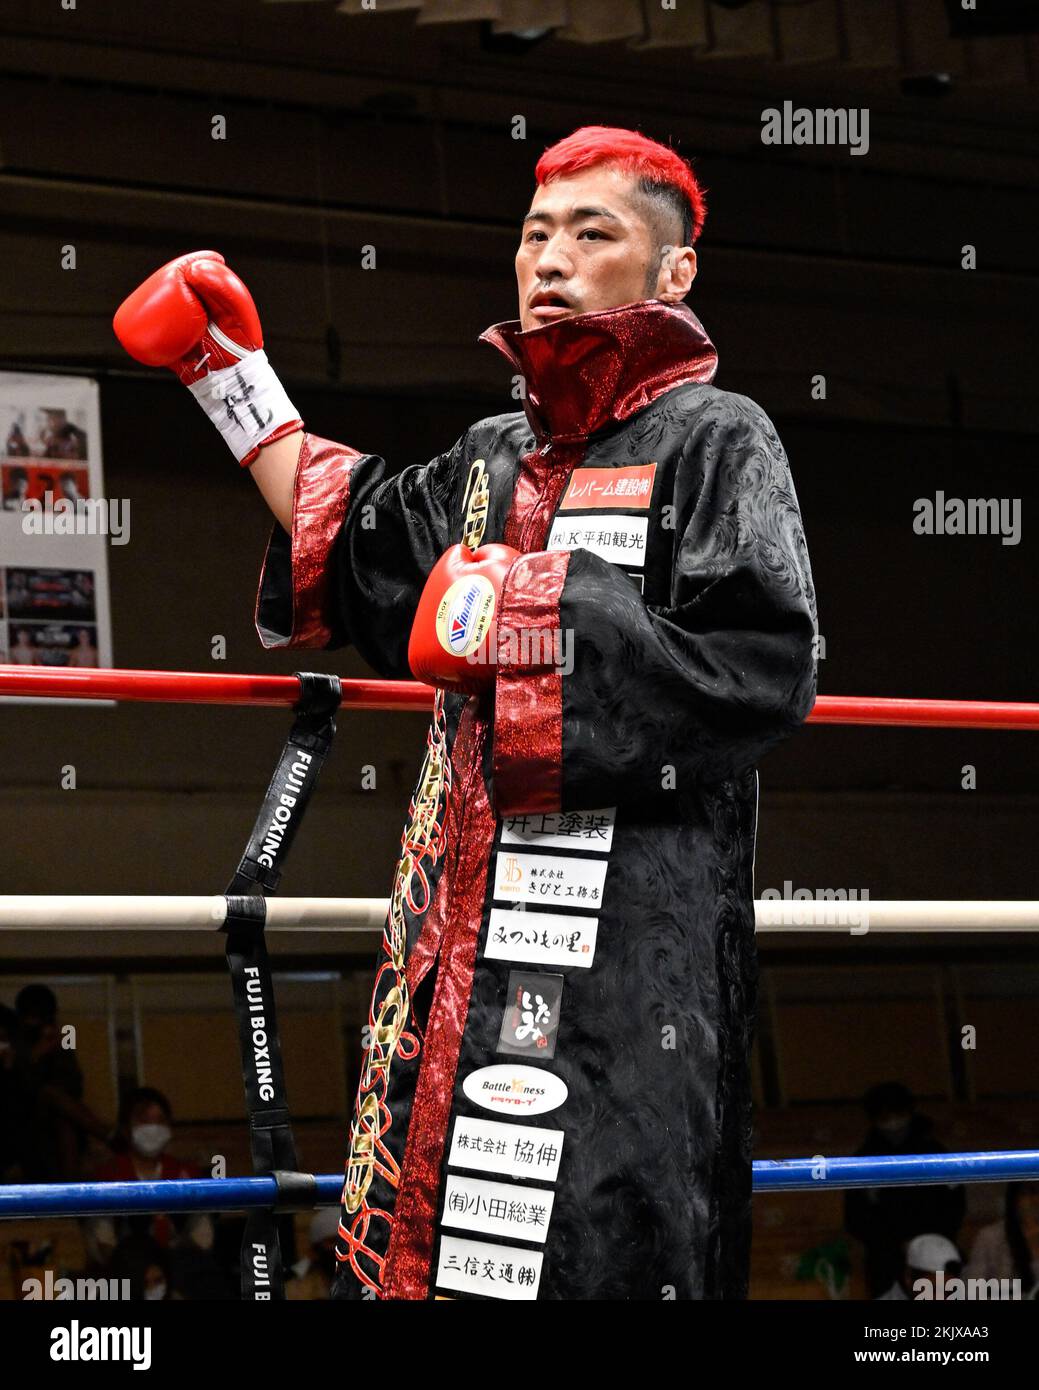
<point>926,1256</point>
<point>145,1264</point>
<point>885,1218</point>
<point>56,1122</point>
<point>312,1276</point>
<point>10,1116</point>
<point>145,1130</point>
<point>1009,1248</point>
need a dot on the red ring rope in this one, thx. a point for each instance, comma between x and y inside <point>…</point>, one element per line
<point>210,688</point>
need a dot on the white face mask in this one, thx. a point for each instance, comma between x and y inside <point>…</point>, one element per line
<point>150,1140</point>
<point>155,1294</point>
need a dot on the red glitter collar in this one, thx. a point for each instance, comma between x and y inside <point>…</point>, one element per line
<point>593,370</point>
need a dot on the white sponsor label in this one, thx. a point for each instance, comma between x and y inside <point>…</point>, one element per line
<point>497,1208</point>
<point>541,938</point>
<point>498,1271</point>
<point>555,880</point>
<point>619,539</point>
<point>521,1151</point>
<point>575,830</point>
<point>515,1090</point>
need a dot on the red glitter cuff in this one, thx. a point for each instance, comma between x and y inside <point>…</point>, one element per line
<point>320,499</point>
<point>528,690</point>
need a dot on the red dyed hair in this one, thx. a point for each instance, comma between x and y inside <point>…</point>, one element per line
<point>635,154</point>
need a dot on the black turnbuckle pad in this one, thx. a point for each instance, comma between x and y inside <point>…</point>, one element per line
<point>296,1191</point>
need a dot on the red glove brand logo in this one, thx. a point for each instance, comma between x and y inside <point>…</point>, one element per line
<point>464,615</point>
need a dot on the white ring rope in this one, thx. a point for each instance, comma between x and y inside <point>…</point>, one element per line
<point>106,912</point>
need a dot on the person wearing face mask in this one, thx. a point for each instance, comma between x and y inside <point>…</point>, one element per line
<point>141,1260</point>
<point>886,1218</point>
<point>145,1130</point>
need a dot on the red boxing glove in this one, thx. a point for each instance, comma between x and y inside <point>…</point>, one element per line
<point>196,317</point>
<point>193,315</point>
<point>454,635</point>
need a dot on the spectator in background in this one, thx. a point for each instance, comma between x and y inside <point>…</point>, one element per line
<point>886,1218</point>
<point>10,1117</point>
<point>925,1257</point>
<point>145,1131</point>
<point>56,1122</point>
<point>1009,1249</point>
<point>311,1277</point>
<point>145,1264</point>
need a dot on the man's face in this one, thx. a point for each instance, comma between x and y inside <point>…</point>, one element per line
<point>585,245</point>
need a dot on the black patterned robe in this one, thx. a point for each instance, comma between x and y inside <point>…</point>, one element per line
<point>555,1094</point>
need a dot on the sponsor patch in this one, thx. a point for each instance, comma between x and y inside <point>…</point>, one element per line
<point>497,1271</point>
<point>556,880</point>
<point>515,1090</point>
<point>619,539</point>
<point>530,1025</point>
<point>609,487</point>
<point>518,1151</point>
<point>497,1208</point>
<point>541,938</point>
<point>464,614</point>
<point>574,830</point>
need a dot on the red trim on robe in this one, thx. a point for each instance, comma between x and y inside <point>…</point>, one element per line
<point>528,698</point>
<point>320,498</point>
<point>407,1268</point>
<point>590,370</point>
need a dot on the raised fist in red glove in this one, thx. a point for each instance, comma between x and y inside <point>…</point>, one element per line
<point>196,317</point>
<point>454,635</point>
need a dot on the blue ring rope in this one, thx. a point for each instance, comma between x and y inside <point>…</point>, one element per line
<point>20,1200</point>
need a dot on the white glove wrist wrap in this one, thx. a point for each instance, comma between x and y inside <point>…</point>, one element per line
<point>246,402</point>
